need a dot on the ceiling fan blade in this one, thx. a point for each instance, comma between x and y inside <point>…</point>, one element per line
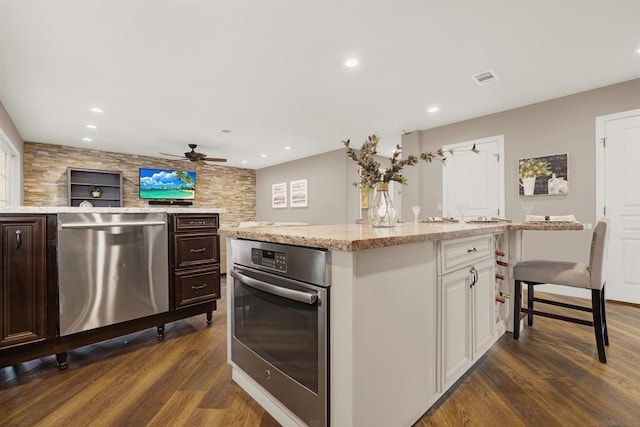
<point>214,159</point>
<point>173,155</point>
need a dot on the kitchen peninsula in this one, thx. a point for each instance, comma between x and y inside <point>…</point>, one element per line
<point>74,276</point>
<point>411,309</point>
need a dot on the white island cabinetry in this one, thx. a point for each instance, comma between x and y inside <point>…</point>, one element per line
<point>411,309</point>
<point>383,335</point>
<point>465,304</point>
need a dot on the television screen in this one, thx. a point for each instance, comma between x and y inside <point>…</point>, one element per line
<point>167,184</point>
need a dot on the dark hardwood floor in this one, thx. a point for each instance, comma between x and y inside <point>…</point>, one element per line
<point>551,377</point>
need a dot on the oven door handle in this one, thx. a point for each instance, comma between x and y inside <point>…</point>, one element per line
<point>304,297</point>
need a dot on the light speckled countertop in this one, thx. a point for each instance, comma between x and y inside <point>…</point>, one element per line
<point>67,209</point>
<point>352,237</point>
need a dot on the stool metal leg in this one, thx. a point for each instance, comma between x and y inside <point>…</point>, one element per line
<point>530,304</point>
<point>517,304</point>
<point>604,316</point>
<point>596,305</point>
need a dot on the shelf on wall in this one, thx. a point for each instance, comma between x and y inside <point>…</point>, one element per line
<point>79,182</point>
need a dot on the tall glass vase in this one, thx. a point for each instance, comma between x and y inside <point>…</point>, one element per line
<point>382,213</point>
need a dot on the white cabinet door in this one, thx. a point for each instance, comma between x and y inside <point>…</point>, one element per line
<point>455,346</point>
<point>483,307</point>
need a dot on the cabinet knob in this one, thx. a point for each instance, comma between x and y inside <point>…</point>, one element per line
<point>472,250</point>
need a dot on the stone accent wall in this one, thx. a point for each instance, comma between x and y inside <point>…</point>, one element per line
<point>45,179</point>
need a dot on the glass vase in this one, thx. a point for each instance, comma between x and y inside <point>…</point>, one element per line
<point>382,213</point>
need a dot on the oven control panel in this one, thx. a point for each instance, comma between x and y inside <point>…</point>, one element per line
<point>270,259</point>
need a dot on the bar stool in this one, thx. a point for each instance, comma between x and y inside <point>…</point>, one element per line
<point>577,275</point>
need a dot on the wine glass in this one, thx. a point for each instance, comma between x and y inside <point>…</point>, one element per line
<point>527,208</point>
<point>461,208</point>
<point>416,212</point>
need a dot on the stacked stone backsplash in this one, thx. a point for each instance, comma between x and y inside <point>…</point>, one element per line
<point>45,179</point>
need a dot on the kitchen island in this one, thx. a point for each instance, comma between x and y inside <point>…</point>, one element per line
<point>74,276</point>
<point>411,309</point>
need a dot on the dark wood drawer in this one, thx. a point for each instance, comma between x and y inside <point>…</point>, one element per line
<point>187,222</point>
<point>196,249</point>
<point>197,285</point>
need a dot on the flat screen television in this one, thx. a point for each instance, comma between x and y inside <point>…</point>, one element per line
<point>167,184</point>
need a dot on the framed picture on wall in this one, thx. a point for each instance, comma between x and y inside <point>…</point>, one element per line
<point>545,175</point>
<point>279,195</point>
<point>298,191</point>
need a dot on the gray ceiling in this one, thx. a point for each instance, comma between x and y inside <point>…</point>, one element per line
<point>169,73</point>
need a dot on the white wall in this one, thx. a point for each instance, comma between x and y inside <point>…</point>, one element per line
<point>562,125</point>
<point>331,197</point>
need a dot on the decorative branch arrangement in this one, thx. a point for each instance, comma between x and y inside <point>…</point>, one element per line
<point>370,173</point>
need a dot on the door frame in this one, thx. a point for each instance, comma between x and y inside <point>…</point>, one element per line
<point>501,184</point>
<point>600,153</point>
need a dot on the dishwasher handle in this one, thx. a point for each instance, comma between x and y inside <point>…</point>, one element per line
<point>304,297</point>
<point>111,224</point>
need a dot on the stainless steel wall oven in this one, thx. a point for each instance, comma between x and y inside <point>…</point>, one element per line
<point>280,323</point>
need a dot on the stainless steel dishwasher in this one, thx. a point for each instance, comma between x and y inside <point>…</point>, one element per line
<point>112,267</point>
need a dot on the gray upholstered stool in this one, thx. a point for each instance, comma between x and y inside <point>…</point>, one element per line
<point>592,276</point>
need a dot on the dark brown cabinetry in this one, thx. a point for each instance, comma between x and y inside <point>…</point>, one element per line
<point>26,297</point>
<point>81,182</point>
<point>29,289</point>
<point>195,259</point>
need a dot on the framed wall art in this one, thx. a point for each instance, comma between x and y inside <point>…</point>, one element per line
<point>298,190</point>
<point>545,175</point>
<point>279,195</point>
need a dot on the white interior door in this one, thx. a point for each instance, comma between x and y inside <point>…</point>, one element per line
<point>618,177</point>
<point>474,183</point>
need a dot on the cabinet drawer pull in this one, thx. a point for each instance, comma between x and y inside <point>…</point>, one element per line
<point>502,263</point>
<point>195,288</point>
<point>193,251</point>
<point>474,277</point>
<point>472,250</point>
<point>499,253</point>
<point>19,240</point>
<point>197,222</point>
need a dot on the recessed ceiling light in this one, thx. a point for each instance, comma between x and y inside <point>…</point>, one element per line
<point>287,148</point>
<point>263,155</point>
<point>638,51</point>
<point>433,109</point>
<point>90,126</point>
<point>244,161</point>
<point>87,139</point>
<point>96,110</point>
<point>351,62</point>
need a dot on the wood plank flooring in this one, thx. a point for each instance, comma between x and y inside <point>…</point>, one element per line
<point>550,377</point>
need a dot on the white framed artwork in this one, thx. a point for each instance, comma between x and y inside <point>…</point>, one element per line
<point>279,195</point>
<point>298,191</point>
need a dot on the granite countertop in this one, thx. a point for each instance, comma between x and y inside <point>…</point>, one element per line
<point>352,237</point>
<point>71,209</point>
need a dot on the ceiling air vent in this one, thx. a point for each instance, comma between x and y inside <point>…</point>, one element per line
<point>485,77</point>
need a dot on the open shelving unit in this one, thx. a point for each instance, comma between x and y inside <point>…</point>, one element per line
<point>80,181</point>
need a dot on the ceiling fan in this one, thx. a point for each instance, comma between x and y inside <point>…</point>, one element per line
<point>198,158</point>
